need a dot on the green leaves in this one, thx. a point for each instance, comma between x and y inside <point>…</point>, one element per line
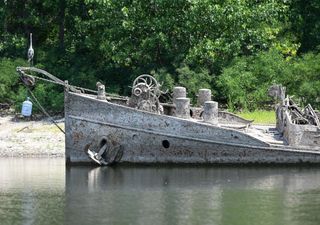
<point>247,79</point>
<point>9,78</point>
<point>193,80</point>
<point>222,45</point>
<point>306,75</point>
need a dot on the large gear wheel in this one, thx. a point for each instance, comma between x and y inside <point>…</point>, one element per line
<point>147,81</point>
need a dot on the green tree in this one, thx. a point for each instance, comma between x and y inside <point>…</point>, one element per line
<point>9,78</point>
<point>193,80</point>
<point>246,81</point>
<point>188,42</point>
<point>304,82</point>
<point>305,20</point>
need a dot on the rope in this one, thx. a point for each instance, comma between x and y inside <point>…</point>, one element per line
<point>44,111</point>
<point>73,86</point>
<point>64,84</point>
<point>53,79</point>
<point>44,79</point>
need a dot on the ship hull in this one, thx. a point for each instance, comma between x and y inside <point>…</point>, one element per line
<point>149,138</point>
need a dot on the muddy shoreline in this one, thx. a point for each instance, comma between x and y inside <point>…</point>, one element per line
<point>22,138</point>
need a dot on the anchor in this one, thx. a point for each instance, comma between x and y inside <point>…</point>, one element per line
<point>108,153</point>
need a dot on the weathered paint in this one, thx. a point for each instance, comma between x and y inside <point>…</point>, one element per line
<point>150,138</point>
<point>297,135</point>
<point>182,108</point>
<point>204,95</point>
<point>210,113</point>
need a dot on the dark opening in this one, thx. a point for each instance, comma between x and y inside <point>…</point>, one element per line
<point>201,114</point>
<point>165,143</point>
<point>234,136</point>
<point>191,113</point>
<point>102,143</point>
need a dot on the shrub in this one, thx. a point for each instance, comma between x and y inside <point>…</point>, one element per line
<point>193,80</point>
<point>13,92</point>
<point>305,79</point>
<point>245,82</point>
<point>47,94</point>
<point>164,78</point>
<point>9,78</point>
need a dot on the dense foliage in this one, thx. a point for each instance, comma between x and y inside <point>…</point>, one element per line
<point>236,48</point>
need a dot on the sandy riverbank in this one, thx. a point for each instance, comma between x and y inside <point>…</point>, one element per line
<point>19,138</point>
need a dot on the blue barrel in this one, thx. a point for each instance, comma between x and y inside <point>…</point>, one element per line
<point>26,107</point>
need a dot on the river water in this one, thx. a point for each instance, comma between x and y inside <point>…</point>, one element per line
<point>44,191</point>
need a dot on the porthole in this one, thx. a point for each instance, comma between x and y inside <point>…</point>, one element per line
<point>165,143</point>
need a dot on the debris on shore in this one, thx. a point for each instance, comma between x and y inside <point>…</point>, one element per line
<point>21,138</point>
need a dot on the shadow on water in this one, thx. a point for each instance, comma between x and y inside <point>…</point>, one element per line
<point>43,191</point>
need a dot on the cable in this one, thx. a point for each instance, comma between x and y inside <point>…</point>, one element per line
<point>44,111</point>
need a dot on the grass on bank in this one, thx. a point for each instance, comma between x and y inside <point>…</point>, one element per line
<point>260,116</point>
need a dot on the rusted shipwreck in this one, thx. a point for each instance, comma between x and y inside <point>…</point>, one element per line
<point>142,129</point>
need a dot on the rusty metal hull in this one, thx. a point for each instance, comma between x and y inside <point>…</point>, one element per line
<point>150,138</point>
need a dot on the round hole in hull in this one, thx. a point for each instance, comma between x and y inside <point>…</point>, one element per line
<point>165,143</point>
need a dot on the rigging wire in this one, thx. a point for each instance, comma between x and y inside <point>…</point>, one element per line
<point>29,80</point>
<point>43,110</point>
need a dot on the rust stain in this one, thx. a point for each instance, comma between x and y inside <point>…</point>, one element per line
<point>77,136</point>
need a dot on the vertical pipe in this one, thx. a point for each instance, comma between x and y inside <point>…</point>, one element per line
<point>203,96</point>
<point>183,108</point>
<point>179,92</point>
<point>210,113</point>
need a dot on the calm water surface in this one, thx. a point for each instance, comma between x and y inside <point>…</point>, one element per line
<point>43,191</point>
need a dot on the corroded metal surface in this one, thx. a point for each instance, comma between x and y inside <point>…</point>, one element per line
<point>182,108</point>
<point>232,118</point>
<point>141,130</point>
<point>298,127</point>
<point>210,113</point>
<point>203,96</point>
<point>150,138</point>
<point>145,94</point>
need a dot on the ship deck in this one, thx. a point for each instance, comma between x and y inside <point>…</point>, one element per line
<point>267,133</point>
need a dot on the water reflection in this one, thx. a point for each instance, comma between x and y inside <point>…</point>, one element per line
<point>194,195</point>
<point>43,191</point>
<point>32,191</point>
